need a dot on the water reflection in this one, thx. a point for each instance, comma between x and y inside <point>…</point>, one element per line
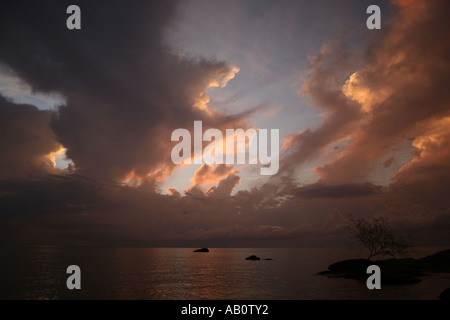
<point>179,273</point>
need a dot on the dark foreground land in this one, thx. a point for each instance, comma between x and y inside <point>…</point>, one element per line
<point>393,271</point>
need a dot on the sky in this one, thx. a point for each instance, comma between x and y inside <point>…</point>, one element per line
<point>86,118</point>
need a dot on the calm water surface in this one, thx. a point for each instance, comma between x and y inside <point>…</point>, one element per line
<point>179,273</point>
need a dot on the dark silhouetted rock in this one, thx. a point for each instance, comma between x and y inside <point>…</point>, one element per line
<point>445,295</point>
<point>253,257</point>
<point>393,271</point>
<point>399,271</point>
<point>268,259</point>
<point>202,250</point>
<point>438,262</point>
<point>350,267</point>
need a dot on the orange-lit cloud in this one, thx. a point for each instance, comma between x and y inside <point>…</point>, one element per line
<point>56,154</point>
<point>173,192</point>
<point>395,93</point>
<point>431,160</point>
<point>221,79</point>
<point>210,174</point>
<point>159,174</point>
<point>222,174</point>
<point>226,147</point>
<point>355,89</point>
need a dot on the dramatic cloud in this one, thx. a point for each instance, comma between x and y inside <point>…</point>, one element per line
<point>26,140</point>
<point>125,92</point>
<point>208,174</point>
<point>427,176</point>
<point>174,192</point>
<point>225,186</point>
<point>222,174</point>
<point>398,91</point>
<point>336,191</point>
<point>341,114</point>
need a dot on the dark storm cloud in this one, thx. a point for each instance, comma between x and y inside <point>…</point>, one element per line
<point>318,190</point>
<point>125,92</point>
<point>25,140</point>
<point>50,195</point>
<point>125,95</point>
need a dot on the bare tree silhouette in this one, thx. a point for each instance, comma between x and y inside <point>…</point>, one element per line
<point>377,237</point>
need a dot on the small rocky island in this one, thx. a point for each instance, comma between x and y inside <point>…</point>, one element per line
<point>202,250</point>
<point>256,258</point>
<point>394,271</point>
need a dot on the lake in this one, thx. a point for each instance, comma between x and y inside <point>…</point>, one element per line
<point>39,272</point>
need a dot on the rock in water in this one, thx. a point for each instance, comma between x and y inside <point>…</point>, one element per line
<point>202,250</point>
<point>253,257</point>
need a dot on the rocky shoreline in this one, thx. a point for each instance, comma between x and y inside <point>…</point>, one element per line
<point>393,271</point>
